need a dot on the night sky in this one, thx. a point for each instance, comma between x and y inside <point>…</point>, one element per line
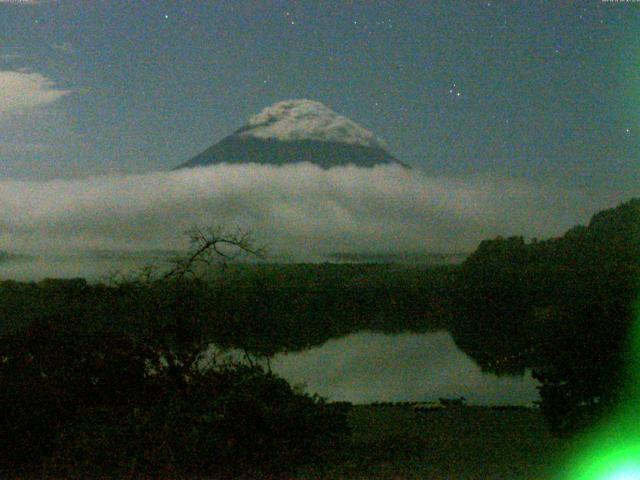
<point>520,88</point>
<point>542,91</point>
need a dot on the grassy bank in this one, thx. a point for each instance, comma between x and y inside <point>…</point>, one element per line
<point>394,442</point>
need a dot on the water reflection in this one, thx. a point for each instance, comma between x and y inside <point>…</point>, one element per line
<point>367,367</point>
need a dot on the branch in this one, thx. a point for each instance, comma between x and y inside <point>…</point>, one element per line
<point>209,244</point>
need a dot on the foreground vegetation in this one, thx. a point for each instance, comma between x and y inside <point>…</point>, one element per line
<point>82,397</point>
<point>394,442</point>
<point>119,382</point>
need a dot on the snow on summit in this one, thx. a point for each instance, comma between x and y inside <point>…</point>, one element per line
<point>291,120</point>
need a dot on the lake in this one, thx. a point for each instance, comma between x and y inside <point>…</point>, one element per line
<point>365,367</point>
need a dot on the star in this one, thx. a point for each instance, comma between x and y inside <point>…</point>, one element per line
<point>454,90</point>
<point>166,16</point>
<point>627,131</point>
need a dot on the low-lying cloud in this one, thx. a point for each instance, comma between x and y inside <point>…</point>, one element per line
<point>299,210</point>
<point>22,91</point>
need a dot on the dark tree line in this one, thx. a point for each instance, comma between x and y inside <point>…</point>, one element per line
<point>563,307</point>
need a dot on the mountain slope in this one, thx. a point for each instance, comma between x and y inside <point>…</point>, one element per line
<point>297,131</point>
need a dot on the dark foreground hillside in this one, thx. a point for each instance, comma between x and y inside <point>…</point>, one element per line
<point>394,442</point>
<point>479,443</point>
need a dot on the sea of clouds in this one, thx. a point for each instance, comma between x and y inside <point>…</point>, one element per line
<point>300,211</point>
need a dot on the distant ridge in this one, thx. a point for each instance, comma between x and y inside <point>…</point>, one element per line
<point>430,259</point>
<point>296,131</point>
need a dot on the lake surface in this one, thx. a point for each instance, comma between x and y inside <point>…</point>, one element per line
<point>366,367</point>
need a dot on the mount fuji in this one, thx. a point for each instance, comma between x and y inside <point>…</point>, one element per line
<point>295,131</point>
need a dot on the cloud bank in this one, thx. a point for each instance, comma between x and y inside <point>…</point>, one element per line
<point>21,91</point>
<point>300,211</point>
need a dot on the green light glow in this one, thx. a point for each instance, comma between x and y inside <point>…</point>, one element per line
<point>625,474</point>
<point>613,462</point>
<point>612,451</point>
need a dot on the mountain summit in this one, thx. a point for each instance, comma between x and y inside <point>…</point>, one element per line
<point>295,131</point>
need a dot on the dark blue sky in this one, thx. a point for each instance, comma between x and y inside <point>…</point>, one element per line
<point>546,90</point>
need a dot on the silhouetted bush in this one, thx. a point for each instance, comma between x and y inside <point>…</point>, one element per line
<point>50,371</point>
<point>91,392</point>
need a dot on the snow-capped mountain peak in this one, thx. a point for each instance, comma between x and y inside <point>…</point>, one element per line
<point>293,120</point>
<point>295,131</point>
